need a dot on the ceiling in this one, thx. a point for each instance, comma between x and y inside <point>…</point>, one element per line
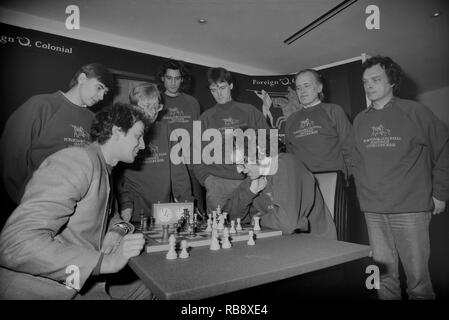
<point>251,32</point>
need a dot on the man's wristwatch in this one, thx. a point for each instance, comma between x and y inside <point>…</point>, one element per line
<point>121,228</point>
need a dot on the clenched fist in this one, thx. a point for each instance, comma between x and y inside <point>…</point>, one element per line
<point>130,246</point>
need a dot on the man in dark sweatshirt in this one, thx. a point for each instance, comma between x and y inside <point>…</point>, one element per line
<point>46,123</point>
<point>226,114</point>
<point>318,134</point>
<point>401,170</point>
<point>181,109</point>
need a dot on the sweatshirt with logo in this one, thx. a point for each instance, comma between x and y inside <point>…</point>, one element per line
<point>229,115</point>
<point>41,126</point>
<point>320,137</point>
<point>400,158</point>
<point>180,111</point>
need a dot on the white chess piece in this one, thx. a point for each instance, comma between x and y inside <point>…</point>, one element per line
<point>209,225</point>
<point>171,253</point>
<point>226,243</point>
<point>256,223</point>
<point>220,225</point>
<point>214,224</point>
<point>251,238</point>
<point>214,244</point>
<point>184,253</point>
<point>239,226</point>
<point>232,230</point>
<point>218,209</point>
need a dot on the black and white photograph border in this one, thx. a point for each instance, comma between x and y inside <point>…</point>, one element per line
<point>263,44</point>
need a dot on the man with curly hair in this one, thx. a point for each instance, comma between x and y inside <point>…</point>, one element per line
<point>401,170</point>
<point>65,240</point>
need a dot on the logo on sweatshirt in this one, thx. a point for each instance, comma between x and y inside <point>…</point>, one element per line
<point>306,123</point>
<point>306,128</point>
<point>380,137</point>
<point>153,148</point>
<point>80,136</point>
<point>230,122</point>
<point>176,115</point>
<point>380,131</point>
<point>80,133</point>
<point>152,154</point>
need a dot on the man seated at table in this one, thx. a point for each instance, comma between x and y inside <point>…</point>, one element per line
<point>280,190</point>
<point>65,232</point>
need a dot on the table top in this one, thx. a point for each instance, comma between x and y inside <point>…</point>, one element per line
<point>208,273</point>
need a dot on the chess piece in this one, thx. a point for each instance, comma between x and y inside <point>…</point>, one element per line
<point>239,226</point>
<point>184,254</point>
<point>214,244</point>
<point>142,218</point>
<point>209,226</point>
<point>165,232</point>
<point>218,209</point>
<point>225,216</point>
<point>220,225</point>
<point>256,223</point>
<point>232,230</point>
<point>171,254</point>
<point>226,243</point>
<point>251,238</point>
<point>214,224</point>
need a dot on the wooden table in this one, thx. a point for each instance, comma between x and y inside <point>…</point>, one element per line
<point>208,273</point>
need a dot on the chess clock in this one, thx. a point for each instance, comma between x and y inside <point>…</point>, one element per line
<point>168,213</point>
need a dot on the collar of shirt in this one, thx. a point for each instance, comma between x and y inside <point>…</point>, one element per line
<point>312,105</point>
<point>387,105</point>
<point>96,147</point>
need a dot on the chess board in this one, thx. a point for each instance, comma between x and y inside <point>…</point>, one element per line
<point>155,243</point>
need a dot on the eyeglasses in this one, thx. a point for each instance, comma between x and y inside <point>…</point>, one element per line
<point>151,108</point>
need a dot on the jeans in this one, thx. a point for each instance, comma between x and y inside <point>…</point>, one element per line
<point>402,236</point>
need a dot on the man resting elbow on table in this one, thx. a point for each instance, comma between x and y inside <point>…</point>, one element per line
<point>280,190</point>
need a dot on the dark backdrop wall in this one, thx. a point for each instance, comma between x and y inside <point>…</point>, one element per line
<point>30,67</point>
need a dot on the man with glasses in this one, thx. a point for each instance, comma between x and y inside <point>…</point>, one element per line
<point>280,190</point>
<point>152,177</point>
